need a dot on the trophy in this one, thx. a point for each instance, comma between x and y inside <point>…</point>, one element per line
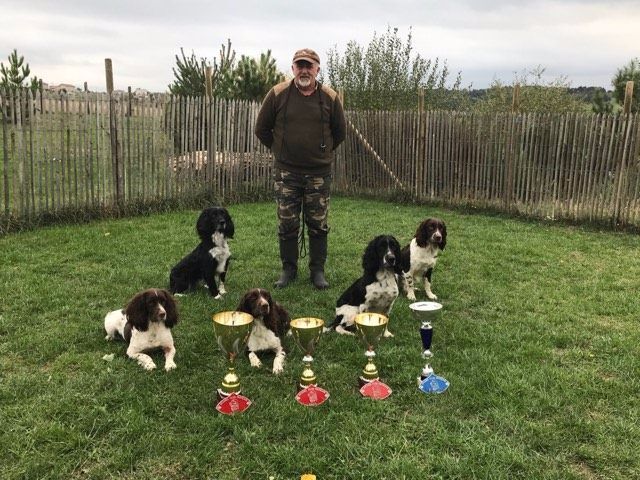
<point>232,331</point>
<point>427,312</point>
<point>306,332</point>
<point>371,326</point>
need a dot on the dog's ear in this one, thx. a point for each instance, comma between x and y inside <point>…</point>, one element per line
<point>170,307</point>
<point>371,259</point>
<point>202,225</point>
<point>282,318</point>
<point>230,230</point>
<point>245,303</point>
<point>137,311</point>
<point>443,243</point>
<point>422,234</point>
<point>397,252</point>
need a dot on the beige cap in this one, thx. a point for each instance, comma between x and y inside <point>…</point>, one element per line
<point>306,54</point>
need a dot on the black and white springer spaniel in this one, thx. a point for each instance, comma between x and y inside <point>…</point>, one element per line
<point>420,256</point>
<point>209,261</point>
<point>270,325</point>
<point>145,324</point>
<point>377,288</point>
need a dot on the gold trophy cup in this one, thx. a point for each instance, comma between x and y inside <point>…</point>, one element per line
<point>306,333</point>
<point>370,326</point>
<point>232,331</point>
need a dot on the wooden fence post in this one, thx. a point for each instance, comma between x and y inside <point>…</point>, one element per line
<point>620,171</point>
<point>420,160</point>
<point>628,96</point>
<point>113,129</point>
<point>515,103</point>
<point>208,82</point>
<point>507,191</point>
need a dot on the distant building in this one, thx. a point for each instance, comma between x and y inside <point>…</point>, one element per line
<point>141,93</point>
<point>62,88</point>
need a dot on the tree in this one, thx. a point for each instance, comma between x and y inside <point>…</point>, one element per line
<point>248,79</point>
<point>535,95</point>
<point>601,102</point>
<point>17,73</point>
<point>253,79</point>
<point>630,71</point>
<point>191,73</point>
<point>386,75</point>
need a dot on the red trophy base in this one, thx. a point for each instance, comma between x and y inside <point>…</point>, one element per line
<point>312,396</point>
<point>375,390</point>
<point>232,404</point>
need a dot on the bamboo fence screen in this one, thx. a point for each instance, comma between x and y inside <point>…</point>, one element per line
<point>63,152</point>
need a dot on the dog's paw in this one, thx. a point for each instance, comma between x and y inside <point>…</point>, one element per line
<point>278,364</point>
<point>217,297</point>
<point>342,331</point>
<point>179,295</point>
<point>388,334</point>
<point>149,366</point>
<point>170,366</point>
<point>222,290</point>
<point>254,360</point>
<point>411,296</point>
<point>431,296</point>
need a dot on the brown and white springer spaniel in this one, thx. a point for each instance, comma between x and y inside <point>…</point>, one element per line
<point>270,325</point>
<point>145,324</point>
<point>420,256</point>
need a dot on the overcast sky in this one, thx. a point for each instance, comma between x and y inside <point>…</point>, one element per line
<point>66,41</point>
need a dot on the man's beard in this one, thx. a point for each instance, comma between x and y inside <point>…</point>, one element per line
<point>304,82</point>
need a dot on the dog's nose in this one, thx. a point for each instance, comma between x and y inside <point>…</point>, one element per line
<point>390,258</point>
<point>437,236</point>
<point>162,315</point>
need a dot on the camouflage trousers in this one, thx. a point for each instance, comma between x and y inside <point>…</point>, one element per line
<point>296,193</point>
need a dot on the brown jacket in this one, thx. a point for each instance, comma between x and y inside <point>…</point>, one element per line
<point>311,121</point>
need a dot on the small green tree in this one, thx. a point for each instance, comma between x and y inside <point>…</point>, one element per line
<point>629,72</point>
<point>601,102</point>
<point>386,75</point>
<point>190,73</point>
<point>535,95</point>
<point>15,75</point>
<point>253,79</point>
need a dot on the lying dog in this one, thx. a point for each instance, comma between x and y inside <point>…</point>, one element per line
<point>209,261</point>
<point>377,288</point>
<point>270,325</point>
<point>145,324</point>
<point>420,256</point>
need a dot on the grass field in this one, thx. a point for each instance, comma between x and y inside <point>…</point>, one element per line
<point>539,339</point>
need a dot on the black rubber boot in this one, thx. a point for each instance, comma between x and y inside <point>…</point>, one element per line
<point>317,259</point>
<point>289,257</point>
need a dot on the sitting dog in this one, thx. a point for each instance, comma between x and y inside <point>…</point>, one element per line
<point>420,256</point>
<point>270,324</point>
<point>145,324</point>
<point>209,261</point>
<point>377,288</point>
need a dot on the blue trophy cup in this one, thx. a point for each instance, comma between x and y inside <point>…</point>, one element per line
<point>426,313</point>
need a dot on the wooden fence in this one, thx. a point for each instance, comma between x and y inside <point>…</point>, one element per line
<point>97,151</point>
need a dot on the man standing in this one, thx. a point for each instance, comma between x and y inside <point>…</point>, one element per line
<point>302,122</point>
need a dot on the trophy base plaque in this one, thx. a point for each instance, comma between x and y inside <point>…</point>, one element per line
<point>311,395</point>
<point>232,403</point>
<point>375,389</point>
<point>432,384</point>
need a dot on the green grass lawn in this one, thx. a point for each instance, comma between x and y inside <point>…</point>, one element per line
<point>539,339</point>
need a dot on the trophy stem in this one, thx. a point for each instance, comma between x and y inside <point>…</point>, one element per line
<point>370,371</point>
<point>308,376</point>
<point>231,381</point>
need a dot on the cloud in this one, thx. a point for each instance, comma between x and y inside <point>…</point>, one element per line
<point>67,41</point>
